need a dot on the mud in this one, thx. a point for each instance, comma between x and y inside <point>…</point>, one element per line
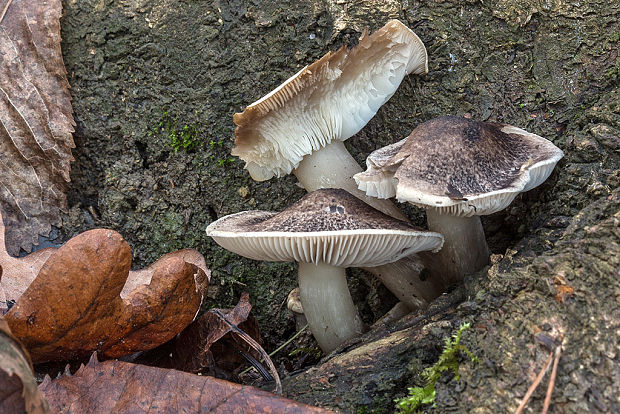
<point>141,69</point>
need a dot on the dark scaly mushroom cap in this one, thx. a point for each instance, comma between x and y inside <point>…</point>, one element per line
<point>461,166</point>
<point>332,99</point>
<point>329,226</point>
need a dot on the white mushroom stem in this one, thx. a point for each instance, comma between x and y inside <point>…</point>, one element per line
<point>412,290</point>
<point>464,249</point>
<point>328,305</point>
<point>333,167</point>
<point>398,311</point>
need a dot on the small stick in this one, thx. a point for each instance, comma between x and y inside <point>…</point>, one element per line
<point>534,385</point>
<point>274,373</point>
<point>252,343</point>
<point>5,9</point>
<point>257,365</point>
<point>554,371</point>
<point>279,348</point>
<point>292,338</point>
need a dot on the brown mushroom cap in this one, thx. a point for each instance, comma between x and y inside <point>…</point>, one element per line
<point>460,166</point>
<point>326,226</point>
<point>332,99</point>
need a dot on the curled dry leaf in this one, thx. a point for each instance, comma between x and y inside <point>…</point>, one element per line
<point>193,349</point>
<point>18,273</point>
<point>228,351</point>
<point>77,303</point>
<point>212,345</point>
<point>36,122</point>
<point>18,388</point>
<point>122,387</point>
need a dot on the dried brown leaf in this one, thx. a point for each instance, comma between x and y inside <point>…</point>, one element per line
<point>77,303</point>
<point>36,122</point>
<point>227,350</point>
<point>18,388</point>
<point>122,387</point>
<point>207,346</point>
<point>563,291</point>
<point>18,273</point>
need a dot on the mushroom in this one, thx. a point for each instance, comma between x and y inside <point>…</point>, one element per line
<point>300,127</point>
<point>325,232</point>
<point>293,303</point>
<point>459,169</point>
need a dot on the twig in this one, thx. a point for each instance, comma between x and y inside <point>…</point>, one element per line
<point>5,9</point>
<point>259,367</point>
<point>534,385</point>
<point>554,371</point>
<point>278,349</point>
<point>255,345</point>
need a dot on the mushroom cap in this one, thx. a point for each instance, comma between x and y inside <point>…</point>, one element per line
<point>332,99</point>
<point>460,166</point>
<point>293,302</point>
<point>326,226</point>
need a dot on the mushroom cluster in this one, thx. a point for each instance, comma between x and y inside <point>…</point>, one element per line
<point>300,127</point>
<point>325,232</point>
<point>457,169</point>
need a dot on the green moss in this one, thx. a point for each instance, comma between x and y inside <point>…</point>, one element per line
<point>613,73</point>
<point>223,162</point>
<point>185,138</point>
<point>314,352</point>
<point>168,231</point>
<point>448,362</point>
<point>216,144</point>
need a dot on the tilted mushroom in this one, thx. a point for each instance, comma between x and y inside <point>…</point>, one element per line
<point>459,169</point>
<point>325,232</point>
<point>300,127</point>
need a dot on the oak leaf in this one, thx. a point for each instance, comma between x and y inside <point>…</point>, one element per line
<point>122,387</point>
<point>84,298</point>
<point>36,122</point>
